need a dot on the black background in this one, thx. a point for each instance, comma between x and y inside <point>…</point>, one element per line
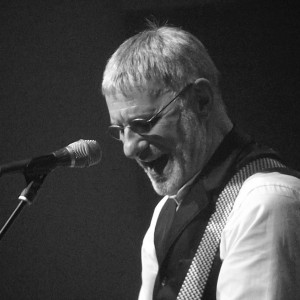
<point>81,238</point>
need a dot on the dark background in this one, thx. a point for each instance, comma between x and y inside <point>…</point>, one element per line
<point>81,238</point>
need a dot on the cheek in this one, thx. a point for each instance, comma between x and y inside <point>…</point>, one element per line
<point>166,132</point>
<point>165,136</point>
<point>192,139</point>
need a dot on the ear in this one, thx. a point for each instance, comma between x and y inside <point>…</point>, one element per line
<point>204,96</point>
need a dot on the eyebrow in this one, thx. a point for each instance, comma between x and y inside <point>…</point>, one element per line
<point>158,92</point>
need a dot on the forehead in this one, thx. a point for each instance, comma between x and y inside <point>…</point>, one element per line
<point>119,101</point>
<point>136,104</point>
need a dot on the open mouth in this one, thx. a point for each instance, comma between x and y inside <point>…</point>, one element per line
<point>158,164</point>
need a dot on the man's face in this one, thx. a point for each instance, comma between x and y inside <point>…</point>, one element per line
<point>173,150</point>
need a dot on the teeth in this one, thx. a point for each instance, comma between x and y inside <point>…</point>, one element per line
<point>148,161</point>
<point>156,164</point>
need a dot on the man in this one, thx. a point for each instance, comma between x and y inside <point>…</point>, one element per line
<point>165,106</point>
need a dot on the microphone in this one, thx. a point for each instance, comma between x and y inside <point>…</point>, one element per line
<point>80,154</point>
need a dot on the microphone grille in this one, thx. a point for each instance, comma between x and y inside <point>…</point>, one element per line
<point>85,153</point>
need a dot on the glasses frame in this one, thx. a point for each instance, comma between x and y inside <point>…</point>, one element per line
<point>145,121</point>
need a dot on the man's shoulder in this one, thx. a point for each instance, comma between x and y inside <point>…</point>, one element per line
<point>275,176</point>
<point>270,189</point>
<point>271,180</point>
<point>266,198</point>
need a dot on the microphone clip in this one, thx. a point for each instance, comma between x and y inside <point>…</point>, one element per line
<point>33,185</point>
<point>26,197</point>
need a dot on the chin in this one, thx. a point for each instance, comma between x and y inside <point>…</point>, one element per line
<point>165,173</point>
<point>159,188</point>
<point>162,189</point>
<point>166,184</point>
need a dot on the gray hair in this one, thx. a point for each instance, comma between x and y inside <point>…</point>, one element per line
<point>166,55</point>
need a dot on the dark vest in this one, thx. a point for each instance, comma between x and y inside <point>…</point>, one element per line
<point>176,243</point>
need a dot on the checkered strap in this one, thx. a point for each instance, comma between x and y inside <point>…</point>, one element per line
<point>196,278</point>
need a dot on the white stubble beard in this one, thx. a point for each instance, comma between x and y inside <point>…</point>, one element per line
<point>184,158</point>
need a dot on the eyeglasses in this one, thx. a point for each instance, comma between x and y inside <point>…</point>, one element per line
<point>139,125</point>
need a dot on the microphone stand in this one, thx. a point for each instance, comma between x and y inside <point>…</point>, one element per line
<point>34,182</point>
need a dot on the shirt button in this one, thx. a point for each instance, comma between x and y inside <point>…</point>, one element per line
<point>164,282</point>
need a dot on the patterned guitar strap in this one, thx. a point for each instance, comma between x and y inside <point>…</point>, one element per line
<point>195,280</point>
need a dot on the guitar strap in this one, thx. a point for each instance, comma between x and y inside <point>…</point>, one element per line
<point>196,278</point>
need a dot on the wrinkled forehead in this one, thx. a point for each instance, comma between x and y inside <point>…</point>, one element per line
<point>144,97</point>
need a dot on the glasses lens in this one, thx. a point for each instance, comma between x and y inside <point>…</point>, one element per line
<point>115,131</point>
<point>140,126</point>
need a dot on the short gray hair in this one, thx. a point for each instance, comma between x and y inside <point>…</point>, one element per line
<point>167,55</point>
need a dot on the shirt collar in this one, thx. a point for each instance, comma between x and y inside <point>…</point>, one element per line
<point>183,190</point>
<point>233,152</point>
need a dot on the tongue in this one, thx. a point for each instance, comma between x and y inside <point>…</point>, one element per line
<point>159,164</point>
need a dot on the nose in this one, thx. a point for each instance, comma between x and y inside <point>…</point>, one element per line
<point>133,143</point>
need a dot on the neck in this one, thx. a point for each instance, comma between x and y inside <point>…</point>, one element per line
<point>217,128</point>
